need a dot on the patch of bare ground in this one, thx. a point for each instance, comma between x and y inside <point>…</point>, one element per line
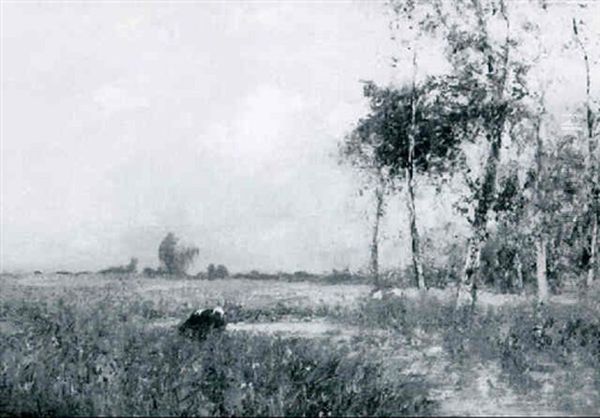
<point>484,298</point>
<point>285,328</point>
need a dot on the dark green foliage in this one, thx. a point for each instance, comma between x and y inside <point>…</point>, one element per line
<point>562,220</point>
<point>386,128</point>
<point>129,268</point>
<point>150,272</point>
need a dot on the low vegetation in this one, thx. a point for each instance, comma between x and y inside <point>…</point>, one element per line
<point>99,358</point>
<point>540,350</point>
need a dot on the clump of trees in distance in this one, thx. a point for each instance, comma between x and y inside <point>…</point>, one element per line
<point>174,258</point>
<point>531,198</point>
<point>214,273</point>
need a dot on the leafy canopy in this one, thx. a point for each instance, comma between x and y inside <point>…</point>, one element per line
<point>382,138</point>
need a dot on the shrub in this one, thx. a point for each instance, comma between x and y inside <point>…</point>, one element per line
<point>345,276</point>
<point>150,272</point>
<point>129,268</point>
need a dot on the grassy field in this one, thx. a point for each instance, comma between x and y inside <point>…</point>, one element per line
<point>107,345</point>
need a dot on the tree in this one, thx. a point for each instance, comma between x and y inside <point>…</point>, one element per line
<point>592,166</point>
<point>221,272</point>
<point>175,259</point>
<point>488,85</point>
<point>218,272</point>
<point>502,254</point>
<point>359,152</point>
<point>409,130</point>
<point>565,219</point>
<point>409,9</point>
<point>210,271</point>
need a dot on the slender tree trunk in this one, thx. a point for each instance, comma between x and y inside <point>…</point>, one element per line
<point>542,281</point>
<point>541,258</point>
<point>519,267</point>
<point>593,251</point>
<point>412,213</point>
<point>592,166</point>
<point>486,193</point>
<point>414,233</point>
<point>467,287</point>
<point>375,240</point>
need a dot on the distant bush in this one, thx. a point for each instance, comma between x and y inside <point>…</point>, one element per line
<point>218,272</point>
<point>129,268</point>
<point>150,272</point>
<point>345,276</point>
<point>302,275</point>
<point>256,275</point>
<point>175,259</point>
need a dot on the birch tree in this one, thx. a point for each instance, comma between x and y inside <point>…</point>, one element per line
<point>402,122</point>
<point>478,44</point>
<point>407,10</point>
<point>592,168</point>
<point>358,149</point>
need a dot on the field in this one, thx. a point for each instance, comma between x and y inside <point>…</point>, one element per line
<point>108,345</point>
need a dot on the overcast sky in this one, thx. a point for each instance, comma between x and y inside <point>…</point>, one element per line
<point>217,121</point>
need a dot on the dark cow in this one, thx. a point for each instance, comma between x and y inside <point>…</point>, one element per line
<point>203,322</point>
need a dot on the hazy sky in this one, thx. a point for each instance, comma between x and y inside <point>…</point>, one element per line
<point>217,121</point>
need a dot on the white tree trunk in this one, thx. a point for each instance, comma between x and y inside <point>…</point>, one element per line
<point>518,284</point>
<point>467,287</point>
<point>375,239</point>
<point>542,281</point>
<point>486,193</point>
<point>591,163</point>
<point>541,259</point>
<point>414,232</point>
<point>412,213</point>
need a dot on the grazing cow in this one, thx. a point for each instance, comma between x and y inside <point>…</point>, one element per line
<point>202,322</point>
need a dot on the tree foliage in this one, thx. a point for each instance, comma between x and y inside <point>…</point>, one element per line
<point>174,258</point>
<point>384,132</point>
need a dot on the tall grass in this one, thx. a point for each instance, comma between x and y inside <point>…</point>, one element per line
<point>100,358</point>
